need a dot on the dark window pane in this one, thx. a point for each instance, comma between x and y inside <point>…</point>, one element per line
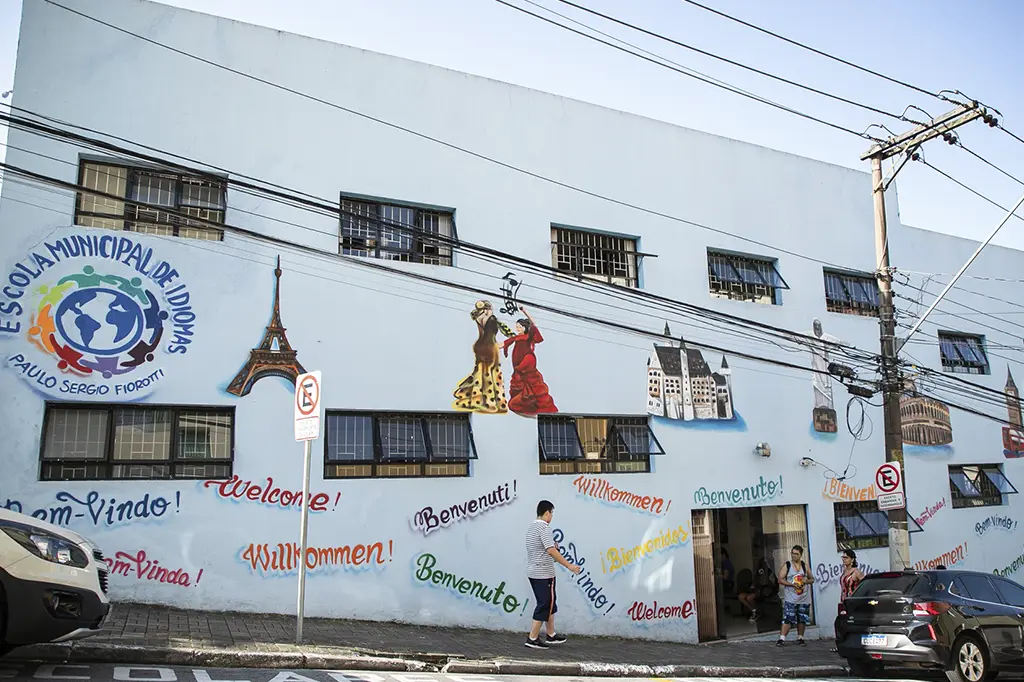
<point>980,589</point>
<point>349,438</point>
<point>76,434</point>
<point>401,439</point>
<point>142,434</point>
<point>1011,592</point>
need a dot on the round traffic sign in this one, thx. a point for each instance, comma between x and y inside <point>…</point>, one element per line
<point>307,398</point>
<point>887,478</point>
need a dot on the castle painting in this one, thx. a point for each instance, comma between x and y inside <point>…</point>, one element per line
<point>1013,432</point>
<point>681,385</point>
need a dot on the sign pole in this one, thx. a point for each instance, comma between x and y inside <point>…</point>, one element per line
<point>303,525</point>
<point>307,430</point>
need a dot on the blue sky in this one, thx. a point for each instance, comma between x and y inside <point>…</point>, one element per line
<point>968,45</point>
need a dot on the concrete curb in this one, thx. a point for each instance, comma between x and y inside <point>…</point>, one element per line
<point>345,659</point>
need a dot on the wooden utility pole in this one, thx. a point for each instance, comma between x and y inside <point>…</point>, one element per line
<point>892,380</point>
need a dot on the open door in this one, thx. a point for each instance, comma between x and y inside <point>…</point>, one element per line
<point>704,573</point>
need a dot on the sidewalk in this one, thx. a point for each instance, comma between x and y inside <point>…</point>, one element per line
<point>144,634</point>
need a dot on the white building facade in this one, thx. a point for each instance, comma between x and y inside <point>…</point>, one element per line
<point>153,318</point>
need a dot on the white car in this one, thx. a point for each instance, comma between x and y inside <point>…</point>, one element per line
<point>53,583</point>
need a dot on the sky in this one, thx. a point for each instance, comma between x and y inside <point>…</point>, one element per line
<point>965,45</point>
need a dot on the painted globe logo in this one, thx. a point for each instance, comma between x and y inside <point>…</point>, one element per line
<point>94,322</point>
<point>100,321</point>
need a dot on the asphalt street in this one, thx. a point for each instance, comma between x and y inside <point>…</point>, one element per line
<point>16,670</point>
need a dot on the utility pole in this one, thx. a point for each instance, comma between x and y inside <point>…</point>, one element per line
<point>906,145</point>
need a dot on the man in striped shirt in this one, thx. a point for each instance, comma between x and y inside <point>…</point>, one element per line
<point>541,555</point>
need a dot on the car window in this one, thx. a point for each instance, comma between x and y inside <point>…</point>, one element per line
<point>981,589</point>
<point>1011,592</point>
<point>892,583</point>
<point>956,587</point>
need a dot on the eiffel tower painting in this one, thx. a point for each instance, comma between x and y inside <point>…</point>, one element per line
<point>274,356</point>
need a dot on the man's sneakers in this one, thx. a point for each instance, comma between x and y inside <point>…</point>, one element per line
<point>543,644</point>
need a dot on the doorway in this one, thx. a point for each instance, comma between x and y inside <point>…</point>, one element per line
<point>754,542</point>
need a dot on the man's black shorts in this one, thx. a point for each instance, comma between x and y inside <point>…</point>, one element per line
<point>544,592</point>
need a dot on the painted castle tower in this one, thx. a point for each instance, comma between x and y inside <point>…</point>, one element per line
<point>681,384</point>
<point>1013,432</point>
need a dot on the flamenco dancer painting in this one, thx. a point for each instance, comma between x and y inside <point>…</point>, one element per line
<point>528,394</point>
<point>483,390</point>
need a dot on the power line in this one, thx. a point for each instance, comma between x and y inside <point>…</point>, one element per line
<point>962,305</point>
<point>363,263</point>
<point>436,140</point>
<point>815,50</point>
<point>334,210</point>
<point>964,186</point>
<point>685,73</point>
<point>732,62</point>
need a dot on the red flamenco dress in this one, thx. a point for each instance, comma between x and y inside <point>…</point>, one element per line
<point>528,394</point>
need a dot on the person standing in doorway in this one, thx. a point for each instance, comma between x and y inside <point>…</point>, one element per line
<point>541,555</point>
<point>796,595</point>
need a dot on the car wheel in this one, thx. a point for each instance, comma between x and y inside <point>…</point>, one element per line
<point>968,662</point>
<point>860,667</point>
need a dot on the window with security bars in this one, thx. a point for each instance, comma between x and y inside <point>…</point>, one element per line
<point>862,525</point>
<point>397,445</point>
<point>585,445</point>
<point>596,256</point>
<point>978,485</point>
<point>396,232</point>
<point>150,201</point>
<point>851,294</point>
<point>113,442</point>
<point>963,353</point>
<point>744,278</point>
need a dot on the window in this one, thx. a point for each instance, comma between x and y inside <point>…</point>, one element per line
<point>596,256</point>
<point>570,445</point>
<point>393,232</point>
<point>979,588</point>
<point>744,278</point>
<point>1011,592</point>
<point>99,442</point>
<point>862,525</point>
<point>963,353</point>
<point>893,583</point>
<point>850,293</point>
<point>978,485</point>
<point>397,445</point>
<point>149,196</point>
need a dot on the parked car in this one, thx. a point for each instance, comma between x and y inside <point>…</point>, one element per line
<point>53,583</point>
<point>967,623</point>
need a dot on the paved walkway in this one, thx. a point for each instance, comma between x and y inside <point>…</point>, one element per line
<point>141,629</point>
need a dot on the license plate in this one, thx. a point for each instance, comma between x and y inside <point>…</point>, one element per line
<point>872,640</point>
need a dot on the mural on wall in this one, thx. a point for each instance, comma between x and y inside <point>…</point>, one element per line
<point>640,611</point>
<point>1013,433</point>
<point>930,512</point>
<point>1014,566</point>
<point>99,510</point>
<point>839,491</point>
<point>926,425</point>
<point>828,575</point>
<point>823,416</point>
<point>584,580</point>
<point>527,392</point>
<point>427,520</point>
<point>1004,523</point>
<point>283,558</point>
<point>99,314</point>
<point>953,557</point>
<point>616,559</point>
<point>274,357</point>
<point>752,495</point>
<point>488,596</point>
<point>238,489</point>
<point>139,566</point>
<point>483,389</point>
<point>600,489</point>
<point>682,387</point>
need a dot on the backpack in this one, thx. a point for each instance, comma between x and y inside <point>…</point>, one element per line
<point>803,566</point>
